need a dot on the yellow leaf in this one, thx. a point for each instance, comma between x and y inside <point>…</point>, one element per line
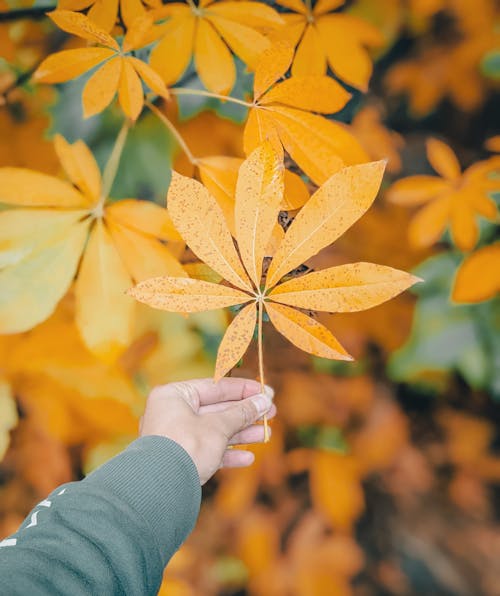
<point>323,6</point>
<point>80,166</point>
<point>32,288</point>
<point>429,223</point>
<point>145,217</point>
<point>235,341</point>
<point>171,56</point>
<point>333,208</point>
<point>464,228</point>
<point>213,59</point>
<point>104,13</point>
<point>149,76</point>
<point>319,146</point>
<point>130,92</point>
<point>24,232</point>
<point>443,160</point>
<point>131,12</point>
<point>247,43</point>
<point>259,192</point>
<point>314,93</point>
<point>103,311</point>
<point>310,56</point>
<point>101,87</point>
<point>144,256</point>
<point>273,64</point>
<point>345,288</point>
<point>186,295</point>
<point>20,186</point>
<point>416,190</point>
<point>296,192</point>
<point>251,14</point>
<point>138,31</point>
<point>478,277</point>
<point>78,24</point>
<point>68,64</point>
<point>200,221</point>
<point>305,332</point>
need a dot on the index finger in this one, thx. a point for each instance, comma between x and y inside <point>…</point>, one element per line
<point>205,391</point>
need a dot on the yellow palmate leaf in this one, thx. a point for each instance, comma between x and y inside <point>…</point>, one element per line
<point>235,341</point>
<point>259,192</point>
<point>80,166</point>
<point>478,277</point>
<point>171,56</point>
<point>186,295</point>
<point>319,146</point>
<point>251,14</point>
<point>101,87</point>
<point>138,32</point>
<point>24,232</point>
<point>144,256</point>
<point>149,76</point>
<point>305,332</point>
<point>443,160</point>
<point>69,64</point>
<point>104,13</point>
<point>296,192</point>
<point>32,288</point>
<point>333,208</point>
<point>103,312</point>
<point>430,222</point>
<point>416,190</point>
<point>463,224</point>
<point>200,221</point>
<point>323,6</point>
<point>296,5</point>
<point>247,43</point>
<point>314,93</point>
<point>78,24</point>
<point>310,56</point>
<point>145,217</point>
<point>130,93</point>
<point>213,59</point>
<point>20,186</point>
<point>273,64</point>
<point>345,288</point>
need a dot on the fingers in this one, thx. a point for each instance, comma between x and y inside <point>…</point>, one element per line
<point>252,434</point>
<point>237,417</point>
<point>200,392</point>
<point>237,458</point>
<point>229,404</point>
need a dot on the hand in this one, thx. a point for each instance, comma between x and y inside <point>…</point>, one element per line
<point>205,417</point>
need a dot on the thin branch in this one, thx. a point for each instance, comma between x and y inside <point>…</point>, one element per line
<point>34,13</point>
<point>261,363</point>
<point>183,91</point>
<point>111,168</point>
<point>173,130</point>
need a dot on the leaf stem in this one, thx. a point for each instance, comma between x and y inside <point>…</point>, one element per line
<point>111,168</point>
<point>261,362</point>
<point>183,91</point>
<point>173,130</point>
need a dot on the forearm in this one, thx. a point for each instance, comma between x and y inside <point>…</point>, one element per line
<point>112,533</point>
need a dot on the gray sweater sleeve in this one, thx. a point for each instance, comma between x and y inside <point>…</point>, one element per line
<point>109,534</point>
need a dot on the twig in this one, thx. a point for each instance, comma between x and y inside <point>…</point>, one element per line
<point>183,91</point>
<point>261,363</point>
<point>111,168</point>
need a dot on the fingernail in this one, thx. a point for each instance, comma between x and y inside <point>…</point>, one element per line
<point>269,391</point>
<point>262,402</point>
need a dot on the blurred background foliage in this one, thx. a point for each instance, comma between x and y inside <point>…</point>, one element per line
<point>382,476</point>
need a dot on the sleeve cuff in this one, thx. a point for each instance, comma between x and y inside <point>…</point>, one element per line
<point>158,478</point>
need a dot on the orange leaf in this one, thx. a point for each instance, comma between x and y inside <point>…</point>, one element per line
<point>200,221</point>
<point>101,87</point>
<point>186,295</point>
<point>430,222</point>
<point>333,208</point>
<point>145,217</point>
<point>259,192</point>
<point>346,288</point>
<point>235,341</point>
<point>310,56</point>
<point>149,76</point>
<point>305,332</point>
<point>68,64</point>
<point>443,160</point>
<point>416,190</point>
<point>213,59</point>
<point>273,64</point>
<point>78,24</point>
<point>478,277</point>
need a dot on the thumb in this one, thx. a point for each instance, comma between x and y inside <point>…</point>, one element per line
<point>245,413</point>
